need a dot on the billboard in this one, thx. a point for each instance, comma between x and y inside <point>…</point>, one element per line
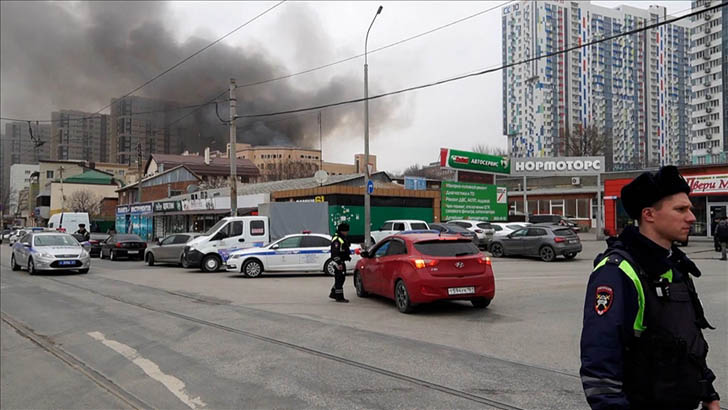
<point>474,162</point>
<point>463,200</point>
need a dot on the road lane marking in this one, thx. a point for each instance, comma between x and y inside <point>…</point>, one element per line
<point>173,384</point>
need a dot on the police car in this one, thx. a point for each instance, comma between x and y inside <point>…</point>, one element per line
<point>49,251</point>
<point>309,252</point>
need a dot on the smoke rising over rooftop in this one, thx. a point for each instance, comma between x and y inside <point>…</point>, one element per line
<point>81,55</point>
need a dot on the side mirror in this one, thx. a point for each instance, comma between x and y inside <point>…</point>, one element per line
<point>27,245</point>
<point>275,246</point>
<point>364,253</point>
<point>159,241</point>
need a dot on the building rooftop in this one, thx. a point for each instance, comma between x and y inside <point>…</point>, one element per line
<point>216,167</point>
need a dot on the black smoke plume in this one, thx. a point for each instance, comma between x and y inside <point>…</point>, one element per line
<point>81,55</point>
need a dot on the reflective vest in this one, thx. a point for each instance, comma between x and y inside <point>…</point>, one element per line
<point>664,361</point>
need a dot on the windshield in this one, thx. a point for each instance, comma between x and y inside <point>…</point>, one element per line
<point>55,240</point>
<point>215,227</point>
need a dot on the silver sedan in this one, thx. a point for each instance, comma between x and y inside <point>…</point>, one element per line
<point>49,251</point>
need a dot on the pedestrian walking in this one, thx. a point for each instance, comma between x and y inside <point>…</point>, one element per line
<point>721,232</point>
<point>340,254</point>
<point>642,345</point>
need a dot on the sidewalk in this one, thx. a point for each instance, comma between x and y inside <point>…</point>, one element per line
<point>698,247</point>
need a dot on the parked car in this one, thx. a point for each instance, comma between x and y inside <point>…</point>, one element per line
<point>15,235</point>
<point>553,220</point>
<point>6,234</point>
<point>482,229</point>
<point>453,229</point>
<point>395,226</point>
<point>49,251</point>
<point>169,249</point>
<point>210,250</point>
<point>123,245</point>
<point>504,228</point>
<point>304,252</point>
<point>544,241</point>
<point>424,267</point>
<point>96,239</point>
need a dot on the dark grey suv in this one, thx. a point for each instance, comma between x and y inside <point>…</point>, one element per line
<point>544,241</point>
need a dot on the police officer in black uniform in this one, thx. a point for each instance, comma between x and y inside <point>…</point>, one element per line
<point>340,254</point>
<point>642,345</point>
<point>83,232</point>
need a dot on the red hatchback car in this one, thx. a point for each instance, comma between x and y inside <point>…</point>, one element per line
<point>414,268</point>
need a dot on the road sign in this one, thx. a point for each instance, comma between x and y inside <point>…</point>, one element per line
<point>474,161</point>
<point>370,187</point>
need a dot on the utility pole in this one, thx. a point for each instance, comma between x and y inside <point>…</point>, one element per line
<point>321,144</point>
<point>232,155</point>
<point>139,171</point>
<point>63,198</point>
<point>367,196</point>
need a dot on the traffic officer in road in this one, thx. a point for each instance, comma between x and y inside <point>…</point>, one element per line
<point>340,254</point>
<point>83,232</point>
<point>642,345</point>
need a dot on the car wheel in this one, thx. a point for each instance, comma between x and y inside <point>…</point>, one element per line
<point>101,254</point>
<point>183,263</point>
<point>570,255</point>
<point>359,285</point>
<point>252,268</point>
<point>31,267</point>
<point>330,267</point>
<point>401,297</point>
<point>210,263</point>
<point>150,259</point>
<point>113,256</point>
<point>480,303</point>
<point>496,250</point>
<point>83,271</point>
<point>13,265</point>
<point>547,253</point>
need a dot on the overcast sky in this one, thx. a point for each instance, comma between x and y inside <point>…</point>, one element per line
<point>296,36</point>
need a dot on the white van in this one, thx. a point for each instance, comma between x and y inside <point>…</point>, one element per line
<point>68,221</point>
<point>211,250</point>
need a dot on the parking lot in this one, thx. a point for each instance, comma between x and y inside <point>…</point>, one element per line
<point>279,341</point>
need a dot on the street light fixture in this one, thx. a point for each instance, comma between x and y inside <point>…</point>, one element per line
<point>367,197</point>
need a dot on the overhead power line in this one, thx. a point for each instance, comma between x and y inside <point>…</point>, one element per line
<point>489,69</point>
<point>396,43</point>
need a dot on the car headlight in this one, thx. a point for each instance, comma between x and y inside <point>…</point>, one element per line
<point>45,255</point>
<point>235,256</point>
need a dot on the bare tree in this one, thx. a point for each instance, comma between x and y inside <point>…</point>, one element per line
<point>415,170</point>
<point>490,150</point>
<point>215,182</point>
<point>583,142</point>
<point>6,198</point>
<point>288,169</point>
<point>84,201</point>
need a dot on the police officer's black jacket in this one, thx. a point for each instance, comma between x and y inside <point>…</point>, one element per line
<point>340,248</point>
<point>640,350</point>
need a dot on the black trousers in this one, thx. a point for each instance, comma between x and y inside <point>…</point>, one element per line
<point>337,292</point>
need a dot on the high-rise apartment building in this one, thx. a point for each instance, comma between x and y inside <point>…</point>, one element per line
<point>633,91</point>
<point>17,147</point>
<point>149,122</point>
<point>709,63</point>
<point>80,135</point>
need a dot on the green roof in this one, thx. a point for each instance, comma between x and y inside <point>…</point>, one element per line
<point>91,177</point>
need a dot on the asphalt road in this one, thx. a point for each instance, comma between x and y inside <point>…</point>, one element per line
<point>127,335</point>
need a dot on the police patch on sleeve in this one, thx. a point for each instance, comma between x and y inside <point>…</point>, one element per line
<point>604,298</point>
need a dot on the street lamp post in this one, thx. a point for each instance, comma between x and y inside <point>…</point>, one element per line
<point>367,197</point>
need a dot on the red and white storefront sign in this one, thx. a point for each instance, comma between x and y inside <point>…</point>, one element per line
<point>708,184</point>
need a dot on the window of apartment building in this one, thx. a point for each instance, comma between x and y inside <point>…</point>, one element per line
<point>49,174</point>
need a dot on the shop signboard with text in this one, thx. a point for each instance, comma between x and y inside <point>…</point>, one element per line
<point>708,184</point>
<point>474,161</point>
<point>557,166</point>
<point>462,200</point>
